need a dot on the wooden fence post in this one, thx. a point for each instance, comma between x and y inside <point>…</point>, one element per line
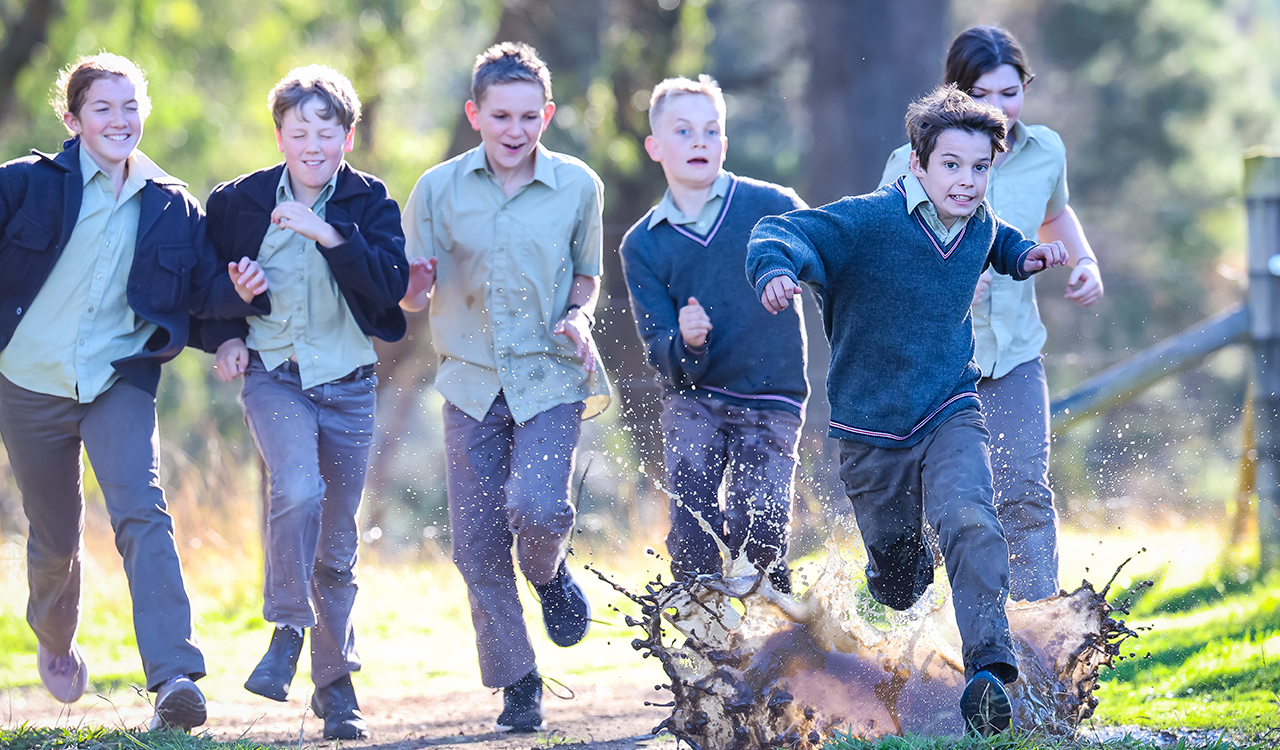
<point>1262,201</point>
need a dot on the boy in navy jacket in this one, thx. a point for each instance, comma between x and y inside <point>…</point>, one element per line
<point>896,270</point>
<point>731,410</point>
<point>102,260</point>
<point>329,241</point>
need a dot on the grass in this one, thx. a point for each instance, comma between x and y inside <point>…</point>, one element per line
<point>99,738</point>
<point>1018,741</point>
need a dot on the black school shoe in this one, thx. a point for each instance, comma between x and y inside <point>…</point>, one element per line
<point>565,610</point>
<point>273,675</point>
<point>985,705</point>
<point>522,705</point>
<point>336,704</point>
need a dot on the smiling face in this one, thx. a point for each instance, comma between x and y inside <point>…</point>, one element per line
<point>1003,89</point>
<point>312,146</point>
<point>511,117</point>
<point>109,122</point>
<point>956,178</point>
<point>689,141</point>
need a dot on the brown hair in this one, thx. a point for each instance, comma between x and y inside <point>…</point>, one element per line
<point>673,87</point>
<point>508,62</point>
<point>75,80</point>
<point>335,92</point>
<point>948,108</point>
<point>980,50</point>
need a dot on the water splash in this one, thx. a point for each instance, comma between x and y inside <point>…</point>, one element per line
<point>756,668</point>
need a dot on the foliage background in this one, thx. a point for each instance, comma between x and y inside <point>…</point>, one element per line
<point>1157,100</point>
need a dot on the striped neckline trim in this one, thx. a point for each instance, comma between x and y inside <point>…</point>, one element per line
<point>724,211</point>
<point>944,251</point>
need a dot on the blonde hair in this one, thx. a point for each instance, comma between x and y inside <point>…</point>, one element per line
<point>333,89</point>
<point>673,87</point>
<point>74,81</point>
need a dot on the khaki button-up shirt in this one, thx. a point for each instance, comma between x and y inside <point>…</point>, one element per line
<point>309,321</point>
<point>505,268</point>
<point>1029,186</point>
<point>80,321</point>
<point>667,211</point>
<point>918,198</point>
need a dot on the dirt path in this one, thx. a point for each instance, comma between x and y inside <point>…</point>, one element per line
<point>605,716</point>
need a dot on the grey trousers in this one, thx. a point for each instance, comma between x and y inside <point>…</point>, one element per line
<point>508,482</point>
<point>315,443</point>
<point>944,480</point>
<point>753,452</point>
<point>44,435</point>
<point>1016,408</point>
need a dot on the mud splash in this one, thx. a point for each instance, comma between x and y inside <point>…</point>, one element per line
<point>756,668</point>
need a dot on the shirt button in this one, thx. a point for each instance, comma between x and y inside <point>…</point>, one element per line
<point>99,276</point>
<point>81,342</point>
<point>90,309</point>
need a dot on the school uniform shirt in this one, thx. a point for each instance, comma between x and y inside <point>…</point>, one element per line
<point>80,321</point>
<point>667,211</point>
<point>505,268</point>
<point>310,321</point>
<point>1029,186</point>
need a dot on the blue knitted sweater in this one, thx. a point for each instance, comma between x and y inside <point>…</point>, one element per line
<point>895,304</point>
<point>667,265</point>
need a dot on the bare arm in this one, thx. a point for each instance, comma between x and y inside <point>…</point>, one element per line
<point>1085,284</point>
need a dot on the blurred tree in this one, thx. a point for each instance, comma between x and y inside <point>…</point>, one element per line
<point>23,34</point>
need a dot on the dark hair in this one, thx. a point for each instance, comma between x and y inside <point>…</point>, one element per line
<point>508,62</point>
<point>949,108</point>
<point>75,80</point>
<point>980,50</point>
<point>335,92</point>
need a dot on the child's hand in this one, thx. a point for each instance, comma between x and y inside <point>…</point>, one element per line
<point>778,293</point>
<point>577,329</point>
<point>984,285</point>
<point>1085,284</point>
<point>1042,257</point>
<point>422,279</point>
<point>694,324</point>
<point>248,277</point>
<point>231,360</point>
<point>293,215</point>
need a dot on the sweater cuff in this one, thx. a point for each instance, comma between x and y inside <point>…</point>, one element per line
<point>768,276</point>
<point>696,351</point>
<point>1019,271</point>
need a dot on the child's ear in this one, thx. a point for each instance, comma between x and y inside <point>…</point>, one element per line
<point>279,141</point>
<point>72,122</point>
<point>916,167</point>
<point>473,114</point>
<point>653,148</point>
<point>350,142</point>
<point>548,111</point>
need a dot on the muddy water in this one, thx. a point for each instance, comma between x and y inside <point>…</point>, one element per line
<point>750,667</point>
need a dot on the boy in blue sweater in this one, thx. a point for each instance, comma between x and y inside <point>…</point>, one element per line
<point>731,410</point>
<point>896,270</point>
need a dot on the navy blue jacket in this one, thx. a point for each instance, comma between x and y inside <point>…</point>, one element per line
<point>173,275</point>
<point>370,267</point>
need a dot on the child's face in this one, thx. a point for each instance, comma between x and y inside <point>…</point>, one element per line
<point>956,180</point>
<point>510,117</point>
<point>312,146</point>
<point>1002,88</point>
<point>689,141</point>
<point>108,123</point>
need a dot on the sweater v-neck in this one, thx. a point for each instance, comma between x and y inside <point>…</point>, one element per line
<point>724,211</point>
<point>945,250</point>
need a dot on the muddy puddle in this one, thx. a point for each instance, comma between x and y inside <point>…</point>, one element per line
<point>749,667</point>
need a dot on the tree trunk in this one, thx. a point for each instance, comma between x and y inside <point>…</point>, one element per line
<point>22,37</point>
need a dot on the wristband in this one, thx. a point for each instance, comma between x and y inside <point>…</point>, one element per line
<point>1094,261</point>
<point>591,322</point>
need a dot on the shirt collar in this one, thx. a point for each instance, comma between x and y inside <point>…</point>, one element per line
<point>138,168</point>
<point>917,195</point>
<point>544,168</point>
<point>667,211</point>
<point>1020,135</point>
<point>284,189</point>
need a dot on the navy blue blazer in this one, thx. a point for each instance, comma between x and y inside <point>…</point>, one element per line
<point>370,267</point>
<point>173,274</point>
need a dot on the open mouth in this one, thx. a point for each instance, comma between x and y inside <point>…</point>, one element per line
<point>513,149</point>
<point>313,163</point>
<point>699,160</point>
<point>119,137</point>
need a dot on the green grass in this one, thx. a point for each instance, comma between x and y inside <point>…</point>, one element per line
<point>1017,741</point>
<point>1210,660</point>
<point>98,738</point>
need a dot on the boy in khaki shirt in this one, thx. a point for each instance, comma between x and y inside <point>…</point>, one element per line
<point>513,233</point>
